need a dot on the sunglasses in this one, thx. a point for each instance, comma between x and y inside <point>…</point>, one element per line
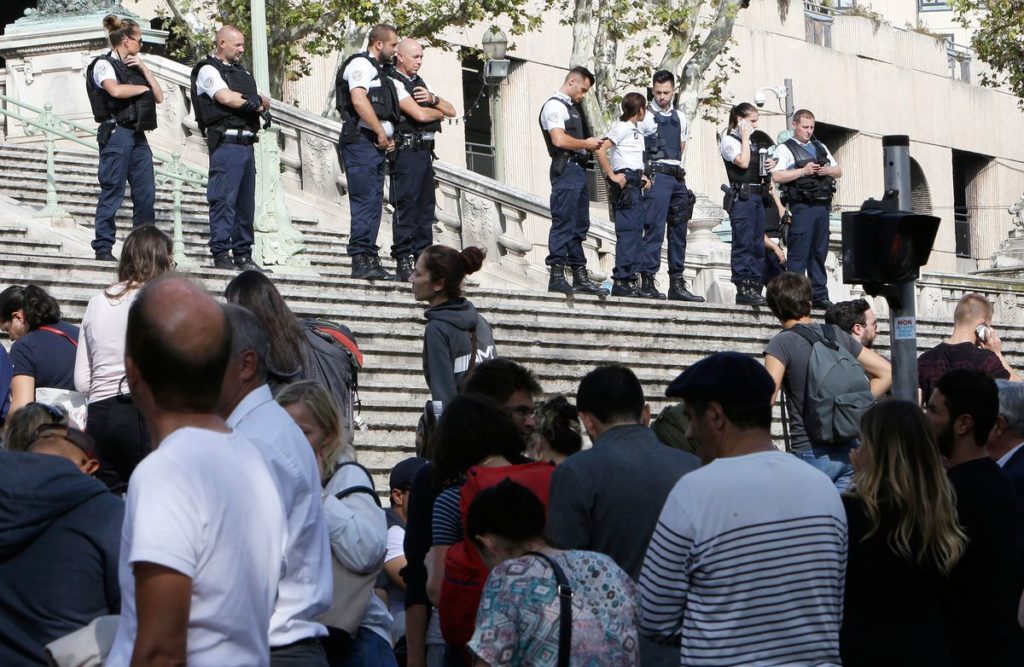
<point>58,414</point>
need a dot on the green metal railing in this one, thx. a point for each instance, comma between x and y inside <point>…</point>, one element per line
<point>174,172</point>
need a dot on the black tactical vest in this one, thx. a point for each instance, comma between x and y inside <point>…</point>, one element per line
<point>137,112</point>
<point>752,174</point>
<point>809,189</point>
<point>574,127</point>
<point>665,144</point>
<point>408,125</point>
<point>211,113</point>
<point>383,98</point>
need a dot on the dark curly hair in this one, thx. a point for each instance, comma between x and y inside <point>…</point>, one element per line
<point>38,307</point>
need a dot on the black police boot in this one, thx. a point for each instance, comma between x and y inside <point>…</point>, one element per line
<point>649,288</point>
<point>368,267</point>
<point>223,262</point>
<point>821,304</point>
<point>105,256</point>
<point>625,288</point>
<point>746,296</point>
<point>582,283</point>
<point>245,263</point>
<point>404,267</point>
<point>557,281</point>
<point>677,290</point>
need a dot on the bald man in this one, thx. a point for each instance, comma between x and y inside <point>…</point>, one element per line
<point>422,111</point>
<point>201,551</point>
<point>228,107</point>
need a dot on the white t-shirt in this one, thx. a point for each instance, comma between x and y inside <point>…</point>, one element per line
<point>396,594</point>
<point>104,70</point>
<point>786,160</point>
<point>748,563</point>
<point>305,590</point>
<point>360,73</point>
<point>99,361</point>
<point>358,532</point>
<point>203,504</point>
<point>649,126</point>
<point>554,114</point>
<point>628,151</point>
<point>403,93</point>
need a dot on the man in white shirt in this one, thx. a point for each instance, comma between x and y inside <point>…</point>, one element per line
<point>228,107</point>
<point>368,104</point>
<point>1006,445</point>
<point>747,565</point>
<point>669,200</point>
<point>564,133</point>
<point>304,591</point>
<point>201,549</point>
<point>807,173</point>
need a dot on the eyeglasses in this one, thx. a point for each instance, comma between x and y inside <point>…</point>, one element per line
<point>523,410</point>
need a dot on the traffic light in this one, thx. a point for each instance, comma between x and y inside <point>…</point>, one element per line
<point>881,245</point>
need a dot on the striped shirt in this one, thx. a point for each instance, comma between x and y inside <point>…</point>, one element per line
<point>747,565</point>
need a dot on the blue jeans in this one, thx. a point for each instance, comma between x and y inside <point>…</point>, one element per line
<point>808,245</point>
<point>833,460</point>
<point>747,221</point>
<point>364,169</point>
<point>369,650</point>
<point>126,158</point>
<point>570,217</point>
<point>231,192</point>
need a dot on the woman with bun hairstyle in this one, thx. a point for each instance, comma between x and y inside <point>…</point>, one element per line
<point>123,94</point>
<point>558,434</point>
<point>44,346</point>
<point>117,426</point>
<point>456,337</point>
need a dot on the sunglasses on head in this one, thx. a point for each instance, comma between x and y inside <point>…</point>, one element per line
<point>56,412</point>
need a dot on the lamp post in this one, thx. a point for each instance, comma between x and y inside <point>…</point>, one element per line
<point>496,69</point>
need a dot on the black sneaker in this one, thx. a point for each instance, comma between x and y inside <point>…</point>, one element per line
<point>223,262</point>
<point>105,256</point>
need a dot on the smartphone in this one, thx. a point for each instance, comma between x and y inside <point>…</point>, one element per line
<point>982,333</point>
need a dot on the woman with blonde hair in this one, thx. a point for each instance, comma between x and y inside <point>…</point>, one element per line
<point>114,422</point>
<point>904,540</point>
<point>358,621</point>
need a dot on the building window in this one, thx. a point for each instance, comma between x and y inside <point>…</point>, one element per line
<point>476,101</point>
<point>966,169</point>
<point>959,58</point>
<point>818,24</point>
<point>933,5</point>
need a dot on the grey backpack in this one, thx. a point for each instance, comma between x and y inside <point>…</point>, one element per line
<point>837,392</point>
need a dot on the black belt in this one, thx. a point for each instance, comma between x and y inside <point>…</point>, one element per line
<point>238,139</point>
<point>580,158</point>
<point>415,141</point>
<point>752,188</point>
<point>670,169</point>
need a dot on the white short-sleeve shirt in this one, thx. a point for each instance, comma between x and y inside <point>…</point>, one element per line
<point>104,71</point>
<point>628,151</point>
<point>204,504</point>
<point>209,82</point>
<point>650,126</point>
<point>403,93</point>
<point>786,160</point>
<point>554,114</point>
<point>730,148</point>
<point>360,73</point>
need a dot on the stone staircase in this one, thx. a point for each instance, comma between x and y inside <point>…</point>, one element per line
<point>559,338</point>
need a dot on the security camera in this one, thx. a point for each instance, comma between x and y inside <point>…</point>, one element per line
<point>759,99</point>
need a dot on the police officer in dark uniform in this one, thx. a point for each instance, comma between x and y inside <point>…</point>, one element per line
<point>568,144</point>
<point>228,108</point>
<point>668,200</point>
<point>807,173</point>
<point>747,166</point>
<point>368,104</point>
<point>413,171</point>
<point>123,94</point>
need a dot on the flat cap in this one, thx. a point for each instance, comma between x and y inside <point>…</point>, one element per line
<point>726,377</point>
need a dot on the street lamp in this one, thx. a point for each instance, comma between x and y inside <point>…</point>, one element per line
<point>783,92</point>
<point>494,45</point>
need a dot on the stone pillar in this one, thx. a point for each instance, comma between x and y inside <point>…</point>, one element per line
<point>707,256</point>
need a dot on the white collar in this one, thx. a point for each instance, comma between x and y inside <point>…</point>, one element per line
<point>1008,455</point>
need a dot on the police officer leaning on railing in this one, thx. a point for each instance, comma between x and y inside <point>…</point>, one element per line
<point>123,94</point>
<point>228,108</point>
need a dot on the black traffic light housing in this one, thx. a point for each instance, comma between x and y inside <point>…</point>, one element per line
<point>883,245</point>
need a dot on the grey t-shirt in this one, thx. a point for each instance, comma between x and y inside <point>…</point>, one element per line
<point>794,352</point>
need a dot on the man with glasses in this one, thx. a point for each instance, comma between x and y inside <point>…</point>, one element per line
<point>856,318</point>
<point>508,384</point>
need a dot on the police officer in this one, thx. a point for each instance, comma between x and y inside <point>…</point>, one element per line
<point>368,104</point>
<point>228,108</point>
<point>568,143</point>
<point>413,171</point>
<point>626,180</point>
<point>745,202</point>
<point>123,94</point>
<point>807,173</point>
<point>668,200</point>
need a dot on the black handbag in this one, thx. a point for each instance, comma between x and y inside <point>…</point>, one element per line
<point>565,611</point>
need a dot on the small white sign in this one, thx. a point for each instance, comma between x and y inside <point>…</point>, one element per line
<point>905,328</point>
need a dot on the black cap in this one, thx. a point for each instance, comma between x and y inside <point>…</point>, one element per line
<point>726,377</point>
<point>405,471</point>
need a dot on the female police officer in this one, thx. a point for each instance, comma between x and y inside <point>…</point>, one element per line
<point>123,94</point>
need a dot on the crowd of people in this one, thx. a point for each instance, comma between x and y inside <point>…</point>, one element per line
<point>209,507</point>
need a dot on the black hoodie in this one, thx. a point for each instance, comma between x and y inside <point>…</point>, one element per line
<point>447,346</point>
<point>60,536</point>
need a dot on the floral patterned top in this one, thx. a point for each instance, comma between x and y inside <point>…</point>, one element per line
<point>517,622</point>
